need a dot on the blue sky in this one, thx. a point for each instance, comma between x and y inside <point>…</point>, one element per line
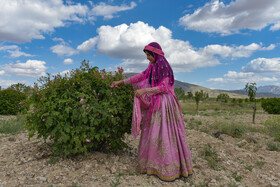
<point>216,44</point>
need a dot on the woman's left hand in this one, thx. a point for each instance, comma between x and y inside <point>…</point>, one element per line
<point>140,92</point>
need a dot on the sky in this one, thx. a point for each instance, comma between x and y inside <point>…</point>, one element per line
<point>217,44</point>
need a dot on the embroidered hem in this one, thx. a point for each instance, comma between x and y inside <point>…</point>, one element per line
<point>166,178</point>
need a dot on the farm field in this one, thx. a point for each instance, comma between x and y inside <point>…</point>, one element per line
<point>227,150</point>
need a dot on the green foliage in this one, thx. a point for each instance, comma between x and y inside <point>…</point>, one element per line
<point>233,101</point>
<point>81,112</point>
<point>116,182</point>
<point>12,102</point>
<point>240,101</point>
<point>22,88</point>
<point>223,97</point>
<point>12,126</point>
<point>193,124</point>
<point>249,167</point>
<point>236,177</point>
<point>251,89</point>
<point>190,95</point>
<point>273,127</point>
<point>273,146</point>
<point>198,96</point>
<point>271,105</point>
<point>209,154</point>
<point>180,93</point>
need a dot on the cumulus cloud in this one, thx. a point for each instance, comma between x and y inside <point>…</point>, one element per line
<point>2,72</point>
<point>68,61</point>
<point>63,50</point>
<point>63,73</point>
<point>126,42</point>
<point>107,11</point>
<point>242,77</point>
<point>217,17</point>
<point>22,21</point>
<point>235,51</point>
<point>31,68</point>
<point>14,51</point>
<point>263,65</point>
<point>7,83</point>
<point>87,45</point>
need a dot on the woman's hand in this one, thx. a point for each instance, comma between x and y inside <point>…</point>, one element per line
<point>140,92</point>
<point>117,83</point>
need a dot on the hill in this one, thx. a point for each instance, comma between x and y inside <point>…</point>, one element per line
<point>265,91</point>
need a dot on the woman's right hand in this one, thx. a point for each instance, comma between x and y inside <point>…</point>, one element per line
<point>117,83</point>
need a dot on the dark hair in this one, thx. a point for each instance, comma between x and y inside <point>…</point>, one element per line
<point>150,52</point>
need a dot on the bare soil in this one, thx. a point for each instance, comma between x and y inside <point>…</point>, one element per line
<point>242,163</point>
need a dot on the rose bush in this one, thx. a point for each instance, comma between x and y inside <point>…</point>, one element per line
<point>13,102</point>
<point>80,111</point>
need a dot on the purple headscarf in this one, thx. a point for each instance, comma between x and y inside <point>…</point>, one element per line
<point>161,67</point>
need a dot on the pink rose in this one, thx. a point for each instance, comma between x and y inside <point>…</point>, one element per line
<point>120,70</point>
<point>87,140</point>
<point>82,100</point>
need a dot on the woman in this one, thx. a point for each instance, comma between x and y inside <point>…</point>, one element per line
<point>163,149</point>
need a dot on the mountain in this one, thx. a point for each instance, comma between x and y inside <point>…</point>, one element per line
<point>269,89</point>
<point>187,87</point>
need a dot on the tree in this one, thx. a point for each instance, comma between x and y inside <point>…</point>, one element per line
<point>198,96</point>
<point>251,89</point>
<point>190,95</point>
<point>22,88</point>
<point>223,97</point>
<point>179,92</point>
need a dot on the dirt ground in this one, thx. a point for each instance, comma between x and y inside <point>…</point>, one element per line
<point>242,163</point>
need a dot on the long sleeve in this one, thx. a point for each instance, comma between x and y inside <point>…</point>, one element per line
<point>163,87</point>
<point>127,81</point>
<point>135,79</point>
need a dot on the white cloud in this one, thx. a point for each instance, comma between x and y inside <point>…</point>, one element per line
<point>63,73</point>
<point>87,45</point>
<point>14,51</point>
<point>126,42</point>
<point>7,83</point>
<point>235,51</point>
<point>263,65</point>
<point>107,11</point>
<point>31,68</point>
<point>22,21</point>
<point>2,72</point>
<point>242,77</point>
<point>63,50</point>
<point>68,61</point>
<point>217,17</point>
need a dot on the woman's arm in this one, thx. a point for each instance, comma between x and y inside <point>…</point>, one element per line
<point>163,87</point>
<point>135,79</point>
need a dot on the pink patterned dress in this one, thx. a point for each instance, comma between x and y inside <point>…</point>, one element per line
<point>163,149</point>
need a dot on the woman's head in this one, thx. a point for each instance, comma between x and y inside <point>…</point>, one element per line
<point>150,56</point>
<point>161,68</point>
<point>153,50</point>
